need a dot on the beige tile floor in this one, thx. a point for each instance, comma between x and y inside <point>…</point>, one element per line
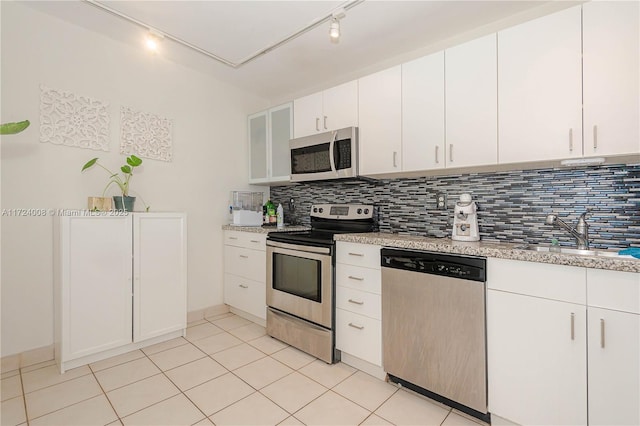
<point>226,371</point>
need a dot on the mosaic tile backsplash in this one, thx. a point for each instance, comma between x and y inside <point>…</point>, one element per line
<point>512,206</point>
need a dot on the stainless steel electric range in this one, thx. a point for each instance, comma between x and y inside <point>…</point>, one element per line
<point>301,278</point>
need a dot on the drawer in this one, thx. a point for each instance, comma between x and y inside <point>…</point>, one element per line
<point>359,336</point>
<point>246,295</point>
<point>359,278</point>
<point>358,254</point>
<point>249,240</point>
<point>250,264</point>
<point>359,302</point>
<point>556,282</point>
<point>614,290</point>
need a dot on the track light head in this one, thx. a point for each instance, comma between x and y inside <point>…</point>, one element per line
<point>334,30</point>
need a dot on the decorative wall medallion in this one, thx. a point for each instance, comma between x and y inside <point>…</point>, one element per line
<point>145,135</point>
<point>72,120</point>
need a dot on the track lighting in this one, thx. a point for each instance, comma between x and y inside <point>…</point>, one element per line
<point>334,28</point>
<point>153,39</point>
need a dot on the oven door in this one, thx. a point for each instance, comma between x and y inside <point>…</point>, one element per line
<point>300,281</point>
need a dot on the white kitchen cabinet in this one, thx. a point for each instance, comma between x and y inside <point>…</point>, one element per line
<point>159,273</point>
<point>331,109</point>
<point>269,134</point>
<point>120,283</point>
<point>540,89</point>
<point>471,110</point>
<point>245,270</point>
<point>380,122</point>
<point>358,303</point>
<point>536,344</point>
<point>614,347</point>
<point>611,51</point>
<point>423,113</point>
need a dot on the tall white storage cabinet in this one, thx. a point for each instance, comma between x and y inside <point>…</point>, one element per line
<point>120,283</point>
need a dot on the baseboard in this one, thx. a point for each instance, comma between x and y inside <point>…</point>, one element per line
<point>28,358</point>
<point>211,311</point>
<point>250,317</point>
<point>362,365</point>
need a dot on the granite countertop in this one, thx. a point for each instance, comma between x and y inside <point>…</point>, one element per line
<point>265,229</point>
<point>491,249</point>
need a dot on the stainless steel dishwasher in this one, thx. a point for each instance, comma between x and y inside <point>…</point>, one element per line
<point>434,326</point>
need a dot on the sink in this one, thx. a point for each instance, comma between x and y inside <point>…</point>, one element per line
<point>578,252</point>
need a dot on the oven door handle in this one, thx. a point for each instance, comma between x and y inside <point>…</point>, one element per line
<point>299,247</point>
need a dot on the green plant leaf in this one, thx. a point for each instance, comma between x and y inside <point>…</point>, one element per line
<point>89,164</point>
<point>13,128</point>
<point>133,161</point>
<point>125,169</point>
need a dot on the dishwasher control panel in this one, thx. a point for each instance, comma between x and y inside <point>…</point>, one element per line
<point>455,266</point>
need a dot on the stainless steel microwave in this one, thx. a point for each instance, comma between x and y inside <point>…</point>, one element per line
<point>324,156</point>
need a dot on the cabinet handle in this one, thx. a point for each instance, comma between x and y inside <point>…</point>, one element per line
<point>356,254</point>
<point>233,238</point>
<point>602,333</point>
<point>351,277</point>
<point>243,286</point>
<point>356,302</point>
<point>570,140</point>
<point>317,124</point>
<point>595,139</point>
<point>437,161</point>
<point>255,241</point>
<point>325,122</point>
<point>395,155</point>
<point>451,153</point>
<point>359,327</point>
<point>244,256</point>
<point>573,323</point>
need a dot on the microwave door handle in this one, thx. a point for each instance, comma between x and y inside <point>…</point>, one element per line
<point>331,148</point>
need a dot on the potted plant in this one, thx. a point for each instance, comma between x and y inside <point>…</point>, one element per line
<point>122,202</point>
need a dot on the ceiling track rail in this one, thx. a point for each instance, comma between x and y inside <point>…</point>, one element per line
<point>345,6</point>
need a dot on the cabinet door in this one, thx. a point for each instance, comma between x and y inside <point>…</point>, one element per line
<point>614,367</point>
<point>471,110</point>
<point>258,146</point>
<point>380,118</point>
<point>536,368</point>
<point>95,284</point>
<point>540,89</point>
<point>340,106</point>
<point>307,115</point>
<point>281,130</point>
<point>423,113</point>
<point>611,48</point>
<point>160,274</point>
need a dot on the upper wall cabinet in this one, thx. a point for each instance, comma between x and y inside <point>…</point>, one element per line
<point>540,89</point>
<point>331,109</point>
<point>269,134</point>
<point>380,117</point>
<point>611,49</point>
<point>423,113</point>
<point>471,110</point>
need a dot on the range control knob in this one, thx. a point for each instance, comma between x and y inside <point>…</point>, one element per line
<point>321,210</point>
<point>315,210</point>
<point>366,211</point>
<point>359,211</point>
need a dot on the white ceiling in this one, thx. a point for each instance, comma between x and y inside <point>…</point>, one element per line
<point>375,34</point>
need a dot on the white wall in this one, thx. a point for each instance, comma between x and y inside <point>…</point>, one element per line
<point>209,156</point>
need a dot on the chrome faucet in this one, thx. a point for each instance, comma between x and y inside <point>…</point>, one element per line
<point>580,232</point>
